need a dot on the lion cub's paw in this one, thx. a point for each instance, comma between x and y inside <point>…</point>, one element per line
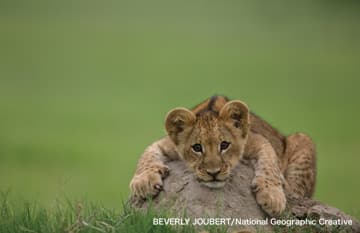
<point>270,197</point>
<point>149,182</point>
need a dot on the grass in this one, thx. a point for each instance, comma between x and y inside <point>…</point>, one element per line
<point>85,86</point>
<point>76,217</point>
<point>80,216</point>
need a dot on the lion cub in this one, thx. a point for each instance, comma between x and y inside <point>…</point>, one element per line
<point>212,138</point>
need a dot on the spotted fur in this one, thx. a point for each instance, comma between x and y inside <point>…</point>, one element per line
<point>284,166</point>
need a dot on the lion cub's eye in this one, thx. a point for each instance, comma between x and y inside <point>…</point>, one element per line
<point>197,148</point>
<point>224,145</point>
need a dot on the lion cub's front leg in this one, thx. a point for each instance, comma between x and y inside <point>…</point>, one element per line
<point>151,170</point>
<point>267,184</point>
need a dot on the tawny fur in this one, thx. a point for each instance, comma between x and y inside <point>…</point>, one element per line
<point>284,166</point>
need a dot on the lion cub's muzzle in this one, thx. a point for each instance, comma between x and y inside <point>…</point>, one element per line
<point>212,178</point>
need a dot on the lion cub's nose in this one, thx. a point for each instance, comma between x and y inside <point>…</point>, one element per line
<point>213,172</point>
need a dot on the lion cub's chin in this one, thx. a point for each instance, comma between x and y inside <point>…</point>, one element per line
<point>213,184</point>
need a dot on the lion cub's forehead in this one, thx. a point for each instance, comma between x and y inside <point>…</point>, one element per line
<point>207,120</point>
<point>208,126</point>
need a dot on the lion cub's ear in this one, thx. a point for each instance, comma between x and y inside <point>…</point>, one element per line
<point>237,113</point>
<point>177,121</point>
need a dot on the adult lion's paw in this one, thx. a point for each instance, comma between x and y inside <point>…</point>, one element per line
<point>149,182</point>
<point>269,196</point>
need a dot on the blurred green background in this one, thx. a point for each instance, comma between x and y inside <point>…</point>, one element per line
<point>85,86</point>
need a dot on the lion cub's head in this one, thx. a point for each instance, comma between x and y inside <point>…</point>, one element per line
<point>212,142</point>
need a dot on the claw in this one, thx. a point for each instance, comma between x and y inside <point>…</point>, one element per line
<point>158,187</point>
<point>255,188</point>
